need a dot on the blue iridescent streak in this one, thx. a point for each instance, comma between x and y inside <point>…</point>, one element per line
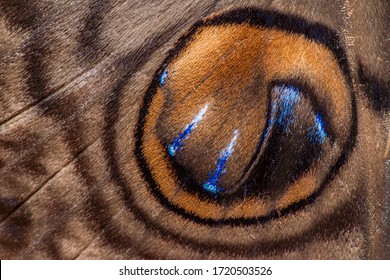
<point>285,98</point>
<point>318,134</point>
<point>178,142</point>
<point>214,177</point>
<point>163,77</point>
<point>288,98</point>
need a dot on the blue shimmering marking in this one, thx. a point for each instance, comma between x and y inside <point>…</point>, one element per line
<point>285,99</point>
<point>178,142</point>
<point>318,133</point>
<point>163,77</point>
<point>214,178</point>
<point>288,99</point>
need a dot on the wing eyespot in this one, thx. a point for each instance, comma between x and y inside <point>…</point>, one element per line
<point>244,121</point>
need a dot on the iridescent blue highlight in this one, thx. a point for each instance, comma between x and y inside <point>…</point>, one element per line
<point>288,98</point>
<point>178,142</point>
<point>163,77</point>
<point>285,99</point>
<point>318,133</point>
<point>214,177</point>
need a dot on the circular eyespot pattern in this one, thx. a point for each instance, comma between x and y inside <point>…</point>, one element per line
<point>243,121</point>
